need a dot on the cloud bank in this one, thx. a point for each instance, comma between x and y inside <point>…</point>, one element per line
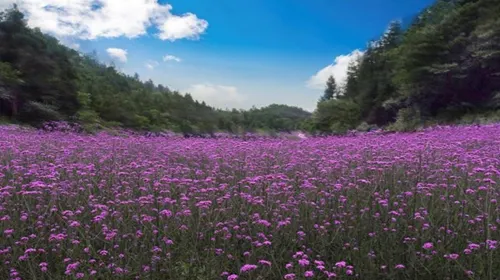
<point>338,69</point>
<point>119,54</point>
<point>93,19</point>
<point>219,96</point>
<point>169,57</point>
<point>151,64</point>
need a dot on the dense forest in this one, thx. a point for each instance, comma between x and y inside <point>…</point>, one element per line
<point>41,80</point>
<point>443,67</point>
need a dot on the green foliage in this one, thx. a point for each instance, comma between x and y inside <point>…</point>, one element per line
<point>408,119</point>
<point>140,122</point>
<point>450,60</point>
<point>38,80</point>
<point>444,65</point>
<point>331,90</point>
<point>307,125</point>
<point>9,80</point>
<point>272,118</point>
<point>337,115</point>
<point>481,118</point>
<point>33,110</point>
<point>88,118</point>
<point>84,100</point>
<point>365,127</point>
<point>8,75</point>
<point>4,120</point>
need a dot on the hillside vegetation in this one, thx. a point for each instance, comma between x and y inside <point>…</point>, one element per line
<point>42,80</point>
<point>444,67</point>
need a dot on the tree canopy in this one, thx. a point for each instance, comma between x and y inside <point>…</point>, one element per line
<point>444,65</point>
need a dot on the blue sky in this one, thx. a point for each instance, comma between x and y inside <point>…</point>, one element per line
<point>230,53</point>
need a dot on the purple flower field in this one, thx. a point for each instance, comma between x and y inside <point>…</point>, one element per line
<point>399,206</point>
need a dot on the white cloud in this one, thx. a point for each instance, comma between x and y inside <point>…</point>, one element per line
<point>119,54</point>
<point>169,57</point>
<point>151,64</point>
<point>6,4</point>
<point>338,70</point>
<point>74,46</point>
<point>219,96</point>
<point>178,27</point>
<point>69,42</point>
<point>92,19</point>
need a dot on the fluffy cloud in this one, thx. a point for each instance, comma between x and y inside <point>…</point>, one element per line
<point>70,43</point>
<point>338,70</point>
<point>169,57</point>
<point>74,46</point>
<point>219,96</point>
<point>178,27</point>
<point>119,54</point>
<point>151,64</point>
<point>92,19</point>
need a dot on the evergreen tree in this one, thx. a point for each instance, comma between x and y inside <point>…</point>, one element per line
<point>351,85</point>
<point>331,90</point>
<point>444,65</point>
<point>48,89</point>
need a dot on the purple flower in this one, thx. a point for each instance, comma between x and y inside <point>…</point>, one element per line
<point>166,213</point>
<point>428,246</point>
<point>303,262</point>
<point>451,256</point>
<point>72,266</point>
<point>103,253</point>
<point>74,224</point>
<point>399,266</point>
<point>248,267</point>
<point>341,264</point>
<point>265,263</point>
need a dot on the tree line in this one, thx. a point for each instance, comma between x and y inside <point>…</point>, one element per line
<point>443,68</point>
<point>42,80</point>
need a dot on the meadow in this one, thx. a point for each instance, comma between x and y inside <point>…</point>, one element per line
<point>398,206</point>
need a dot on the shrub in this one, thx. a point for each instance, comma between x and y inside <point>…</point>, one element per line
<point>337,115</point>
<point>365,127</point>
<point>408,119</point>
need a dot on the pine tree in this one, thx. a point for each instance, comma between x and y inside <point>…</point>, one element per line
<point>351,85</point>
<point>331,90</point>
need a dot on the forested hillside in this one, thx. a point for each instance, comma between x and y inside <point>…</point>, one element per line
<point>444,67</point>
<point>42,80</point>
